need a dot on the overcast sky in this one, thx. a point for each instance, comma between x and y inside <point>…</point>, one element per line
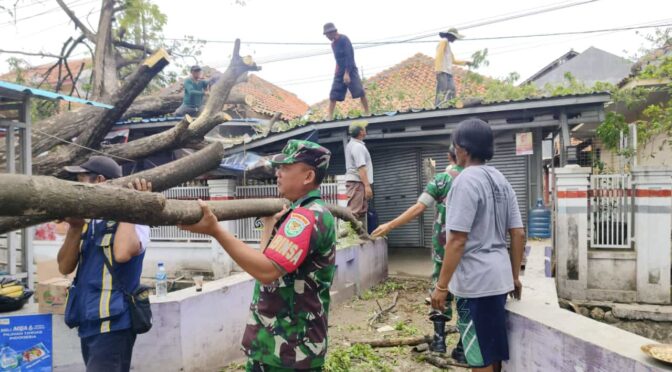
<point>361,21</point>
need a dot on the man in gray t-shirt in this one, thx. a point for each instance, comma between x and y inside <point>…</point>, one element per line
<point>481,208</point>
<point>485,267</point>
<point>358,171</point>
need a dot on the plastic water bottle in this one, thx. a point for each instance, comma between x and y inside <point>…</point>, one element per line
<point>161,281</point>
<point>9,359</point>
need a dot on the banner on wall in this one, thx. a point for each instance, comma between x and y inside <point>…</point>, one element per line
<point>524,144</point>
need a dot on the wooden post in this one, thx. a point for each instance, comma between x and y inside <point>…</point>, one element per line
<point>27,169</point>
<point>12,238</point>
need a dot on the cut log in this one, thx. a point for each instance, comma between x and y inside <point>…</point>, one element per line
<point>153,106</point>
<point>41,198</point>
<point>392,342</point>
<point>162,178</point>
<point>94,133</point>
<point>41,195</point>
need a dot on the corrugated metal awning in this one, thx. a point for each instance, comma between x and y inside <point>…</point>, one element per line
<point>18,91</point>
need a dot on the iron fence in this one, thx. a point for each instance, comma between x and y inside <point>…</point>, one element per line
<point>249,229</point>
<point>611,209</point>
<point>172,233</point>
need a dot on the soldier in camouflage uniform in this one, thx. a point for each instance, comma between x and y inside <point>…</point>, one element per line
<point>434,195</point>
<point>287,328</point>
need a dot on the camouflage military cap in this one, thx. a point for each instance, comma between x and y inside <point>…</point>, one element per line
<point>299,151</point>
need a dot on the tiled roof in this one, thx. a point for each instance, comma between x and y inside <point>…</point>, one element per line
<point>35,75</point>
<point>408,85</point>
<point>269,98</point>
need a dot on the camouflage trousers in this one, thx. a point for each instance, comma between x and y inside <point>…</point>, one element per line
<point>256,366</point>
<point>448,312</point>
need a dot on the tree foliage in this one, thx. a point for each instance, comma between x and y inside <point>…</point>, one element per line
<point>652,119</point>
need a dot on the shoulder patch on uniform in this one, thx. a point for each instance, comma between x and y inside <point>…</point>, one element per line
<point>295,225</point>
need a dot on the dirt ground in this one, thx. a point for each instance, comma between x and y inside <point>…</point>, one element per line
<point>349,322</point>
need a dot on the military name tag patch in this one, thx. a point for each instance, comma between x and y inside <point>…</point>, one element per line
<point>295,226</point>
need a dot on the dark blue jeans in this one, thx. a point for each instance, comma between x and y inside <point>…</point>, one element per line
<point>108,352</point>
<point>445,88</point>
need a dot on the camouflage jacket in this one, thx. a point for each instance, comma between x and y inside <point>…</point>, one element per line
<point>288,318</point>
<point>437,189</point>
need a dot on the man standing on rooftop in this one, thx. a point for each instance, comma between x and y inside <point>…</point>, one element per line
<point>346,76</point>
<point>443,65</point>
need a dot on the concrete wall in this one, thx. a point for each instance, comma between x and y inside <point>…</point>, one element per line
<point>639,272</point>
<point>202,331</point>
<point>544,337</point>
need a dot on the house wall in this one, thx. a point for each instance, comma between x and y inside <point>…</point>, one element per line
<point>545,337</point>
<point>636,272</point>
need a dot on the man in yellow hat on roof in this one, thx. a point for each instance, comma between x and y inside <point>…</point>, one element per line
<point>443,65</point>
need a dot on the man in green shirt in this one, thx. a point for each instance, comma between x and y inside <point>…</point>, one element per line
<point>288,323</point>
<point>195,89</point>
<point>435,193</point>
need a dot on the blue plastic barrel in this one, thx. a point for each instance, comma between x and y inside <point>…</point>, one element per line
<point>539,221</point>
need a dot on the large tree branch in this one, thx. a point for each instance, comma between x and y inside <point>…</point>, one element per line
<point>35,54</point>
<point>172,138</point>
<point>210,116</point>
<point>78,23</point>
<point>219,92</point>
<point>153,106</point>
<point>127,45</point>
<point>50,197</point>
<point>123,62</point>
<point>162,178</point>
<point>94,134</point>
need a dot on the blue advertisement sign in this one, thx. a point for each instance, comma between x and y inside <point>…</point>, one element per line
<point>26,343</point>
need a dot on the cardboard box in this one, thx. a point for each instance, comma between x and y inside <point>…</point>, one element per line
<point>51,295</point>
<point>47,270</point>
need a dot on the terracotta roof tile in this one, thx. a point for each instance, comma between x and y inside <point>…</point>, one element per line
<point>410,84</point>
<point>269,98</point>
<point>35,75</point>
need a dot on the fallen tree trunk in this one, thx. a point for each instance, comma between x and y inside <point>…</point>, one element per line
<point>153,106</point>
<point>162,178</point>
<point>50,132</point>
<point>174,137</point>
<point>50,198</point>
<point>392,342</point>
<point>100,125</point>
<point>210,116</point>
<point>41,195</point>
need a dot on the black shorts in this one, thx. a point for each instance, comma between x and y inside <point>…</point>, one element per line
<point>339,89</point>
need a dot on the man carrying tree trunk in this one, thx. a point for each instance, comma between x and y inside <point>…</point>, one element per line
<point>346,76</point>
<point>195,89</point>
<point>96,301</point>
<point>287,329</point>
<point>435,193</point>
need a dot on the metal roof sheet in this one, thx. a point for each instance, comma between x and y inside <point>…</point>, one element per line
<point>17,91</point>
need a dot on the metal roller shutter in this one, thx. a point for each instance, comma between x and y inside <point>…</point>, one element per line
<point>396,187</point>
<point>514,168</point>
<point>337,161</point>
